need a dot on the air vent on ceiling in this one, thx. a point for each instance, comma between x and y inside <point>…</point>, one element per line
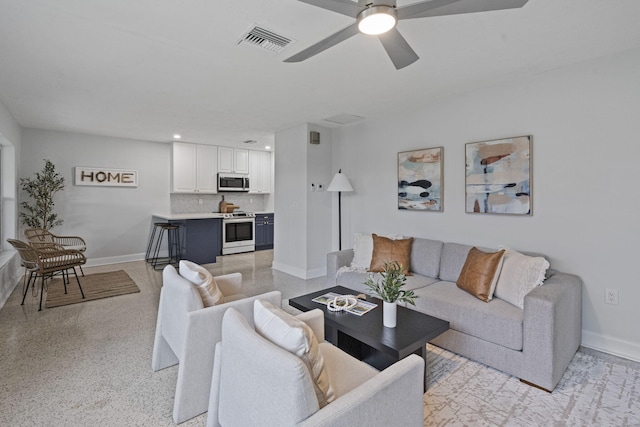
<point>266,39</point>
<point>343,119</point>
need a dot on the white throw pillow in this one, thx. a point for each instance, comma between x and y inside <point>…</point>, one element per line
<point>204,282</point>
<point>363,249</point>
<point>296,337</point>
<point>520,274</point>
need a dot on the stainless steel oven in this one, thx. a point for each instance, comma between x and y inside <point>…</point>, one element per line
<point>238,233</point>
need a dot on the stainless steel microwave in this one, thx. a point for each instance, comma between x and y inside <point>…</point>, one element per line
<point>233,182</point>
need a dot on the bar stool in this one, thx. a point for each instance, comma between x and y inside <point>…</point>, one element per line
<point>156,226</point>
<point>173,245</point>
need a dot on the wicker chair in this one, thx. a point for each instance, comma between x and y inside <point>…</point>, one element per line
<point>40,237</point>
<point>45,261</point>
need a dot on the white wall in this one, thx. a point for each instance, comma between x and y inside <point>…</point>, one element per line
<point>290,237</point>
<point>583,119</point>
<point>302,216</point>
<point>114,221</point>
<point>319,203</point>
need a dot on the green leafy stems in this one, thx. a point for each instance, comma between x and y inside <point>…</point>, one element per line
<point>38,212</point>
<point>389,287</point>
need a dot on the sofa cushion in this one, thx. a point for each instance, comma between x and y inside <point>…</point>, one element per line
<point>452,259</point>
<point>345,371</point>
<point>425,257</point>
<point>520,275</point>
<point>386,250</point>
<point>296,337</point>
<point>496,321</point>
<point>204,282</point>
<point>480,273</point>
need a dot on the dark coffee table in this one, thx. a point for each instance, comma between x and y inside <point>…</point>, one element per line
<point>365,338</point>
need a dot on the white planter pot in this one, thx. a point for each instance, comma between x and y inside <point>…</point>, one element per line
<point>389,314</point>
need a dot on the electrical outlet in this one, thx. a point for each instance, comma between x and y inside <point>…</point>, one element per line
<point>611,296</point>
<point>199,201</point>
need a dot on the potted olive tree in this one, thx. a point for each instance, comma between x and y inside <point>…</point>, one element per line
<point>389,290</point>
<point>38,211</point>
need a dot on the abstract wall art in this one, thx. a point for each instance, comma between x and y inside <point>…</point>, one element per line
<point>420,185</point>
<point>498,176</point>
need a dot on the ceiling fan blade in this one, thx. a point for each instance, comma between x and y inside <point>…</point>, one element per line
<point>345,7</point>
<point>455,7</point>
<point>325,44</point>
<point>398,49</point>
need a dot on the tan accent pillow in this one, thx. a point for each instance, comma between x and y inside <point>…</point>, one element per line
<point>296,337</point>
<point>480,273</point>
<point>204,282</point>
<point>386,250</point>
<point>363,249</point>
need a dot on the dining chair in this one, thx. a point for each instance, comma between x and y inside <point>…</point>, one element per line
<point>46,261</point>
<point>39,237</point>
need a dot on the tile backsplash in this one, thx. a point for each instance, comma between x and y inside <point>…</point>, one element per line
<point>190,203</point>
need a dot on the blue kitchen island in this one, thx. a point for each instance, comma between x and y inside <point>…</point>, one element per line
<point>200,235</point>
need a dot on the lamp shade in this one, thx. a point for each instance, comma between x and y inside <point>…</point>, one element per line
<point>340,182</point>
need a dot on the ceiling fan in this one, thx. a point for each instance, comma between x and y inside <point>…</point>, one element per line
<point>379,18</point>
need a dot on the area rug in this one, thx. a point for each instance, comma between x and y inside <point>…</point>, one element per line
<point>95,286</point>
<point>596,390</point>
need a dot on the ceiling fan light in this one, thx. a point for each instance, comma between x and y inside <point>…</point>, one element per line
<point>377,20</point>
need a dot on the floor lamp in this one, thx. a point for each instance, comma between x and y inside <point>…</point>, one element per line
<point>340,183</point>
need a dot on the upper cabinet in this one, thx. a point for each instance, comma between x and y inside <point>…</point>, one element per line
<point>259,171</point>
<point>193,168</point>
<point>233,160</point>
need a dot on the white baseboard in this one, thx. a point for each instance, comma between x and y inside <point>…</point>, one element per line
<point>299,272</point>
<point>611,345</point>
<point>316,272</point>
<point>93,262</point>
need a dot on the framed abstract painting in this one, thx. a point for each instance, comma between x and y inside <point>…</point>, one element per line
<point>420,185</point>
<point>498,176</point>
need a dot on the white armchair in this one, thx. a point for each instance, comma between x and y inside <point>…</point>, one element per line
<point>256,382</point>
<point>186,334</point>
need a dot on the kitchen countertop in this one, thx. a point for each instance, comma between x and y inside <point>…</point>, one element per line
<point>184,216</point>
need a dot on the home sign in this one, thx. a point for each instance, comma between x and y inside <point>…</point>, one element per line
<point>106,177</point>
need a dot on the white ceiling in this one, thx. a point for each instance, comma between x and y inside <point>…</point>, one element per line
<point>146,69</point>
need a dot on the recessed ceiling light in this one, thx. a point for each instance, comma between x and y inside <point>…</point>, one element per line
<point>267,147</point>
<point>177,136</point>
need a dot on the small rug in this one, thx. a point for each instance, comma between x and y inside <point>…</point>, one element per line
<point>95,286</point>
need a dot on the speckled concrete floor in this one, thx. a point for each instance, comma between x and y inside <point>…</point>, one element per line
<point>90,363</point>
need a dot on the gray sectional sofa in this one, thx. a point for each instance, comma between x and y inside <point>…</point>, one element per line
<point>534,344</point>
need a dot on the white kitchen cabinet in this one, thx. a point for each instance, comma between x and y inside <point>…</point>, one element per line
<point>259,171</point>
<point>207,169</point>
<point>193,168</point>
<point>233,160</point>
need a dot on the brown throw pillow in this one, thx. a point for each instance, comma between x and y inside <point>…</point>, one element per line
<point>480,273</point>
<point>387,250</point>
